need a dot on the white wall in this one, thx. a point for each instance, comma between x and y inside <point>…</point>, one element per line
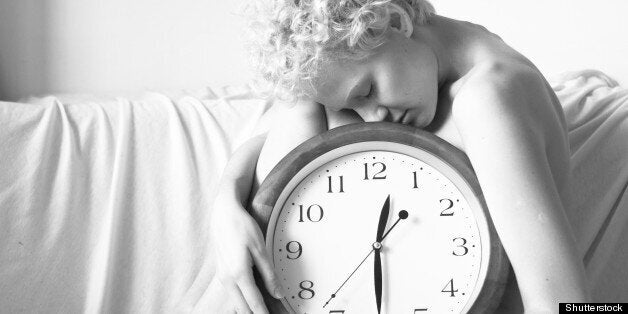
<point>132,45</point>
<point>22,42</point>
<point>118,45</point>
<point>556,35</point>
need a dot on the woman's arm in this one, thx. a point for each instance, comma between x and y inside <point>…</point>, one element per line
<point>291,126</point>
<point>505,118</point>
<point>238,242</point>
<point>236,239</point>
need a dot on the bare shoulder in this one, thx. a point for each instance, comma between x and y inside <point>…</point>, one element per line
<point>510,90</point>
<point>512,103</point>
<point>501,79</point>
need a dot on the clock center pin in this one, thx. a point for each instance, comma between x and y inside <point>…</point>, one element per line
<point>377,246</point>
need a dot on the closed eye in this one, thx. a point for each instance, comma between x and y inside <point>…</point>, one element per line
<point>371,92</point>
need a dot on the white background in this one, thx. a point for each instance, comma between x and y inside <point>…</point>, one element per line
<point>114,46</point>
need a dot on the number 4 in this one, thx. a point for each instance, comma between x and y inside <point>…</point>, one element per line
<point>451,290</point>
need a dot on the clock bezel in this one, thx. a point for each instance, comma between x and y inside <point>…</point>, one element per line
<point>276,183</point>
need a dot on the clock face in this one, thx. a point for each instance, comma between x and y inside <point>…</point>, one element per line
<point>324,225</point>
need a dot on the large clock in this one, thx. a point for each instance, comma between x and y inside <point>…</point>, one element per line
<point>379,218</point>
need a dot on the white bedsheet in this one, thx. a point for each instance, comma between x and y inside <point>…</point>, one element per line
<point>104,203</point>
<point>596,110</point>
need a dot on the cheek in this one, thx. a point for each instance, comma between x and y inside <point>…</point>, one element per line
<point>402,86</point>
<point>419,88</point>
<point>425,73</point>
<point>409,78</point>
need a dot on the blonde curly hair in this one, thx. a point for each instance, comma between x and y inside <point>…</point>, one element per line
<point>289,38</point>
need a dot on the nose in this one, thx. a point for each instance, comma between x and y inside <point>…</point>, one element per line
<point>379,113</point>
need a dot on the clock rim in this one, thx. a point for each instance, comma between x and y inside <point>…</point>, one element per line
<point>271,188</point>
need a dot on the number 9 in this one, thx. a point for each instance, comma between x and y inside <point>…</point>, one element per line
<point>297,251</point>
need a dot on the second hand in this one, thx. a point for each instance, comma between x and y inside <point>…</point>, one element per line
<point>333,295</point>
<point>402,215</point>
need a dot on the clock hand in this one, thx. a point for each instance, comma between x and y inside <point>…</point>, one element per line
<point>333,295</point>
<point>377,269</point>
<point>380,230</point>
<point>383,218</point>
<point>377,246</point>
<point>402,215</point>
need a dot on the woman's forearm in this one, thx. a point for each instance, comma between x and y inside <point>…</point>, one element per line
<point>556,276</point>
<point>239,172</point>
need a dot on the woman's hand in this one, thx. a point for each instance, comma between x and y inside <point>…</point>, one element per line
<point>235,244</point>
<point>238,246</point>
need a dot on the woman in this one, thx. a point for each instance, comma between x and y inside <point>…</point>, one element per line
<point>395,60</point>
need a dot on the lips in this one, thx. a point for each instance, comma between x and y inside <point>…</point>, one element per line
<point>404,117</point>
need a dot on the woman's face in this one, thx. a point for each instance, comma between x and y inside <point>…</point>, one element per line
<point>397,83</point>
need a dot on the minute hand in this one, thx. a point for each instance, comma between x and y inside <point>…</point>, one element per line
<point>377,269</point>
<point>380,231</point>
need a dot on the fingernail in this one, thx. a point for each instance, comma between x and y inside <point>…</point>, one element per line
<point>278,293</point>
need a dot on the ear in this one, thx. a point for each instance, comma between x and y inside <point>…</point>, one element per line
<point>400,20</point>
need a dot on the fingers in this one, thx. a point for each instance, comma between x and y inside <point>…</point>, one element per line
<point>268,274</point>
<point>266,270</point>
<point>237,299</point>
<point>236,258</point>
<point>252,294</point>
<point>215,299</point>
<point>244,294</point>
<point>237,278</point>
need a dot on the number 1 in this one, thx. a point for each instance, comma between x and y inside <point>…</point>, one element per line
<point>416,185</point>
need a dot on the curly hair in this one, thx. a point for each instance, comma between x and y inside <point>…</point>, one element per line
<point>289,38</point>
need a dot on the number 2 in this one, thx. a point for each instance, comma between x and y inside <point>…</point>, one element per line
<point>451,204</point>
